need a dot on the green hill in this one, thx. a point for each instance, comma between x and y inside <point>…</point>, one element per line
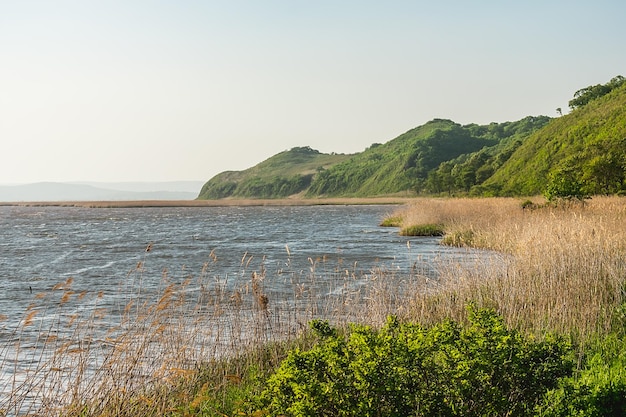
<point>586,147</point>
<point>284,174</point>
<point>582,152</point>
<point>401,165</point>
<point>404,163</point>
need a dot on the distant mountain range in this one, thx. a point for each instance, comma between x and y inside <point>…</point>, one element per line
<point>96,191</point>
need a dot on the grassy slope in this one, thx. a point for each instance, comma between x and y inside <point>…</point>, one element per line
<point>294,166</point>
<point>398,165</point>
<point>601,123</point>
<point>512,158</point>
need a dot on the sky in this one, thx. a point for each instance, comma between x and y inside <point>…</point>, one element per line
<point>156,90</point>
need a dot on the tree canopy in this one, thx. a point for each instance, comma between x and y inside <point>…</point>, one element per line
<point>587,94</point>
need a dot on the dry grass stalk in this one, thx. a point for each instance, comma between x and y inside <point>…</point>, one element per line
<point>565,271</point>
<point>562,270</point>
<point>120,360</point>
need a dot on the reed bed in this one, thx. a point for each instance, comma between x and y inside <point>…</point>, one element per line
<point>555,269</point>
<point>564,269</point>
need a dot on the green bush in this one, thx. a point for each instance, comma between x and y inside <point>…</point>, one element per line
<point>564,184</point>
<point>403,369</point>
<point>599,389</point>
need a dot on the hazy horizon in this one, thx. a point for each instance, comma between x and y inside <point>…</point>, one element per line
<point>109,183</point>
<point>151,92</point>
<point>104,191</point>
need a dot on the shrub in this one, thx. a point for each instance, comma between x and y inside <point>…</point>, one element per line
<point>599,389</point>
<point>404,369</point>
<point>564,184</point>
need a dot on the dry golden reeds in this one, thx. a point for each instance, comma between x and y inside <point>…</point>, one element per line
<point>120,359</point>
<point>564,270</point>
<point>556,269</point>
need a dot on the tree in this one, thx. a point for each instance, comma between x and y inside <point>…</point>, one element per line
<point>587,94</point>
<point>605,173</point>
<point>564,184</point>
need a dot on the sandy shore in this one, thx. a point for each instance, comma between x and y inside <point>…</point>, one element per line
<point>210,203</point>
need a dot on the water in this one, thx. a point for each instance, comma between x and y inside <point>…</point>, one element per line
<point>43,246</point>
<point>104,251</point>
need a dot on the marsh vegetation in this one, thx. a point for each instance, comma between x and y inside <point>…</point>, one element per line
<point>556,297</point>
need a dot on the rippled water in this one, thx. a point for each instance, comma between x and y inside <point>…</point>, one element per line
<point>100,250</point>
<point>41,247</point>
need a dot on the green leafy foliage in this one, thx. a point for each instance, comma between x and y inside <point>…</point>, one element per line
<point>589,144</point>
<point>585,95</point>
<point>467,172</point>
<point>599,389</point>
<point>564,184</point>
<point>413,161</point>
<point>403,369</point>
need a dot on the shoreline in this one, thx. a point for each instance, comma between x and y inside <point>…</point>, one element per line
<point>212,203</point>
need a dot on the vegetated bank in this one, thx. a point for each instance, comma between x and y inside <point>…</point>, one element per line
<point>400,167</point>
<point>583,151</point>
<point>543,336</point>
<point>541,333</point>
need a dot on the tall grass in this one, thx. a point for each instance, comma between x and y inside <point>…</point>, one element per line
<point>148,353</point>
<point>565,267</point>
<point>177,351</point>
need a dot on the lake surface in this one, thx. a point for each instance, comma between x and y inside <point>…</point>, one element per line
<point>98,247</point>
<point>106,251</point>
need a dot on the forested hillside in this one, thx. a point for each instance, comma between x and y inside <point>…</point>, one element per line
<point>581,153</point>
<point>584,151</point>
<point>410,163</point>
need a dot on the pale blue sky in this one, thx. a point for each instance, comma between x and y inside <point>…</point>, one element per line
<point>182,90</point>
